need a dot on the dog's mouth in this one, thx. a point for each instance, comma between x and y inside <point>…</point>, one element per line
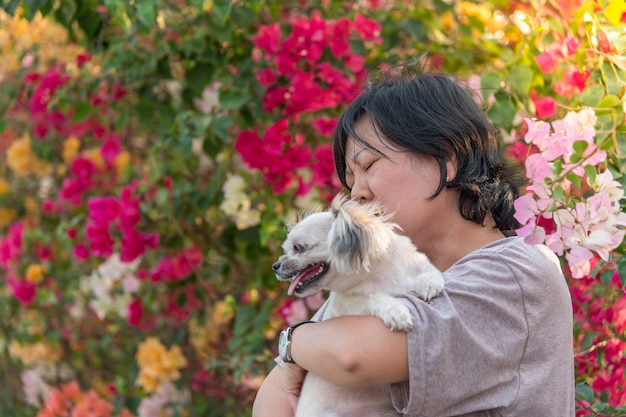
<point>307,277</point>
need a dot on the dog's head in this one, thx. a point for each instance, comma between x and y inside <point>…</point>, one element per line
<point>329,250</point>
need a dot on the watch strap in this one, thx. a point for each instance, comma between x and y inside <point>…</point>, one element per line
<point>289,331</point>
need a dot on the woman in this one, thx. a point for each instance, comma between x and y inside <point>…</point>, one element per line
<point>499,340</point>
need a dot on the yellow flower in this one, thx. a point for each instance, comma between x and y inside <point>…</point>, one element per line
<point>22,160</point>
<point>37,353</point>
<point>158,364</point>
<point>7,215</point>
<point>121,161</point>
<point>70,148</point>
<point>447,21</point>
<point>4,187</point>
<point>32,206</point>
<point>35,273</point>
<point>222,313</point>
<point>95,156</point>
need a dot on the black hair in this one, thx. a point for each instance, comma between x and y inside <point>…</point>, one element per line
<point>431,114</point>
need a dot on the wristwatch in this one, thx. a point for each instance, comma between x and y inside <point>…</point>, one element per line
<point>284,341</point>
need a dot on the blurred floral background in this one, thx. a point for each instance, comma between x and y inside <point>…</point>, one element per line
<point>152,151</point>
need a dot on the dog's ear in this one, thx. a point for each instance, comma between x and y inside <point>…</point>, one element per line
<point>289,226</point>
<point>358,236</point>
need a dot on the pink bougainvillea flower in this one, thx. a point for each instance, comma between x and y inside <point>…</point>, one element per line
<point>574,82</point>
<point>338,36</point>
<point>545,107</point>
<point>44,91</point>
<point>268,38</point>
<point>48,206</point>
<point>579,261</point>
<point>24,291</point>
<point>520,151</point>
<point>266,77</point>
<point>81,252</point>
<point>110,150</point>
<point>82,59</point>
<point>547,63</point>
<point>556,53</point>
<point>135,312</point>
<point>525,208</point>
<point>325,125</point>
<point>277,155</point>
<point>81,180</point>
<point>369,29</point>
<point>178,267</point>
<point>11,244</point>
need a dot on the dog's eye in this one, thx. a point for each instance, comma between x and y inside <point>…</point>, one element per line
<point>298,248</point>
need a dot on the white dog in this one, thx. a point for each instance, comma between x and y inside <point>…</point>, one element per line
<point>352,251</point>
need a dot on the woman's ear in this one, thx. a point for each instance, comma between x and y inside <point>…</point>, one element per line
<point>451,168</point>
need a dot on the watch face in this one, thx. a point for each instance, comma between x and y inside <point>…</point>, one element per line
<point>282,344</point>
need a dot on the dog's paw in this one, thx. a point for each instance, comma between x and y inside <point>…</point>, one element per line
<point>429,285</point>
<point>396,316</point>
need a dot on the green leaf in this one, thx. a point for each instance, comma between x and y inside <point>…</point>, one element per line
<point>606,277</point>
<point>11,6</point>
<point>198,77</point>
<point>161,197</point>
<point>502,114</point>
<point>612,83</point>
<point>221,10</point>
<point>66,13</point>
<point>490,83</point>
<point>587,340</point>
<point>580,146</point>
<point>232,99</point>
<point>592,95</point>
<point>81,111</point>
<point>220,126</point>
<point>521,78</point>
<point>591,172</point>
<point>574,178</point>
<point>32,7</point>
<point>558,193</point>
<point>621,270</point>
<point>146,12</point>
<point>584,392</point>
<point>610,101</point>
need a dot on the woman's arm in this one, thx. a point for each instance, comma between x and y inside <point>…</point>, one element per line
<point>354,351</point>
<point>271,400</point>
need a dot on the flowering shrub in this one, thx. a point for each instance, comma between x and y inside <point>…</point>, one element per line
<point>153,151</point>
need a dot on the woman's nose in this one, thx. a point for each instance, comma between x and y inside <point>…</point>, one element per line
<point>361,192</point>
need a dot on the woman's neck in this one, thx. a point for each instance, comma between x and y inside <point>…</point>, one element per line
<point>462,238</point>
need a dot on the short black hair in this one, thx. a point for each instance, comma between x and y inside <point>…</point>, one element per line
<point>431,114</point>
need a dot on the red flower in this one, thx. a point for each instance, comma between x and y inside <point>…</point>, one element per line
<point>545,107</point>
<point>23,290</point>
<point>82,59</point>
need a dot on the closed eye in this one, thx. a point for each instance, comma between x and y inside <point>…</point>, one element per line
<point>298,248</point>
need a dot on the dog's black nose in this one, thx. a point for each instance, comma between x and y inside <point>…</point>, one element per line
<point>276,266</point>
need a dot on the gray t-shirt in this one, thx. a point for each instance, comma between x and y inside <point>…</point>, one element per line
<point>497,342</point>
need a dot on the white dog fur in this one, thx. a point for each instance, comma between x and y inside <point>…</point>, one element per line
<point>352,251</point>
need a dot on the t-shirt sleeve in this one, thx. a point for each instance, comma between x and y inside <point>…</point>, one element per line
<point>466,345</point>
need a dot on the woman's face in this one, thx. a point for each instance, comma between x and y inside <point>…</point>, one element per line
<point>402,182</point>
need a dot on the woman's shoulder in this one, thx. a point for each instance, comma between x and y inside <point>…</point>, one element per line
<point>511,257</point>
<point>510,251</point>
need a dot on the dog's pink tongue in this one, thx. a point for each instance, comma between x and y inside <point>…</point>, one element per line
<point>303,276</point>
<point>294,284</point>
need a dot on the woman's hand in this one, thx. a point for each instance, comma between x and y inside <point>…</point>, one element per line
<point>293,377</point>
